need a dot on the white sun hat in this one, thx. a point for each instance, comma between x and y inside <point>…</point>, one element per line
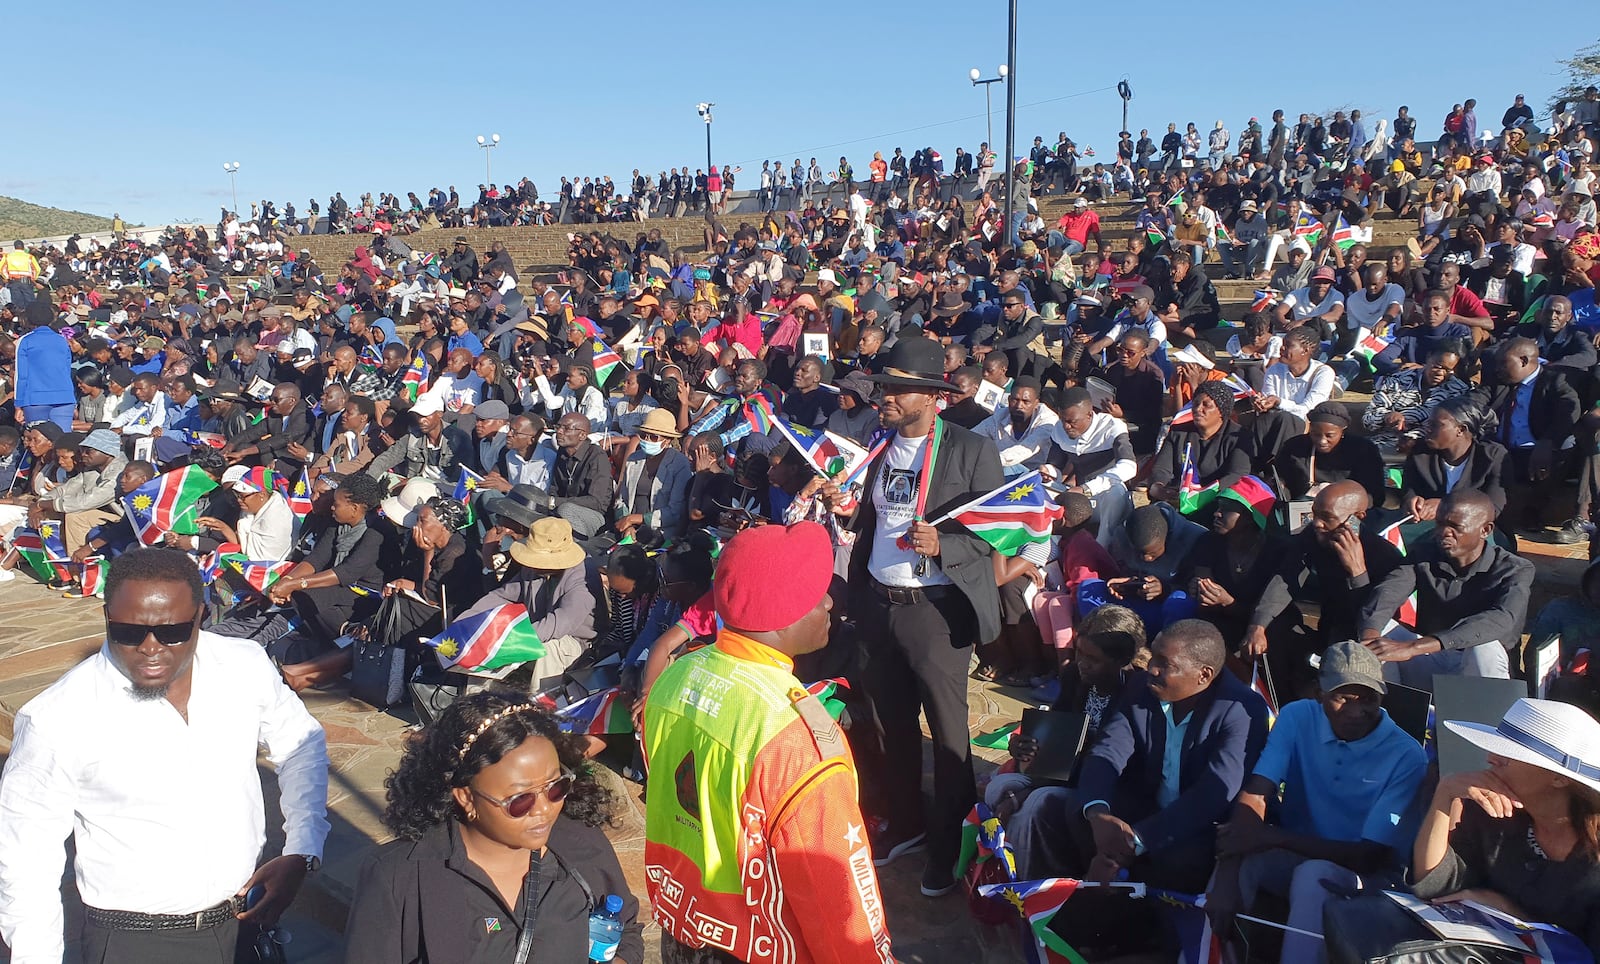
<point>1558,737</point>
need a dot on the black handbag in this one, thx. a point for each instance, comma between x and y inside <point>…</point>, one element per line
<point>378,674</point>
<point>1372,929</point>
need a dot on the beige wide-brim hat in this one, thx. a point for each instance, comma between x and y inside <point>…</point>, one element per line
<point>548,546</point>
<point>659,421</point>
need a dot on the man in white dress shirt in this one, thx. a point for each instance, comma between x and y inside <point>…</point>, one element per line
<point>145,754</point>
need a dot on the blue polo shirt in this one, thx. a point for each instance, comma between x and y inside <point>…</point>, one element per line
<point>1364,790</point>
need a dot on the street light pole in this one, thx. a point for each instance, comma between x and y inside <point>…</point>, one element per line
<point>988,110</point>
<point>704,110</point>
<point>232,167</point>
<point>1011,117</point>
<point>488,144</point>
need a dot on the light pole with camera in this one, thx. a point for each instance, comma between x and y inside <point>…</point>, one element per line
<point>704,110</point>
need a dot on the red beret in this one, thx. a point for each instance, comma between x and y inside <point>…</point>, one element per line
<point>770,576</point>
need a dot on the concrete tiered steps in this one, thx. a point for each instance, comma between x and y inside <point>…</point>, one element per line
<point>540,250</point>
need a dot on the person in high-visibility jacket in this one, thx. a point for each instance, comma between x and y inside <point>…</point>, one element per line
<point>21,270</point>
<point>755,848</point>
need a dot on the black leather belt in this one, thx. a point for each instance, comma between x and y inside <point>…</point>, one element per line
<point>127,920</point>
<point>907,595</point>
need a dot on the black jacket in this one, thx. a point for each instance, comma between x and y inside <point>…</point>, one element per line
<point>424,901</point>
<point>1425,474</point>
<point>583,477</point>
<point>272,435</point>
<point>1553,411</point>
<point>968,466</point>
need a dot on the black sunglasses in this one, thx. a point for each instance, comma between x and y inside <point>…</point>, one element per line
<point>133,634</point>
<point>518,805</point>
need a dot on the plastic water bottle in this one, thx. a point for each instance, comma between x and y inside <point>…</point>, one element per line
<point>605,929</point>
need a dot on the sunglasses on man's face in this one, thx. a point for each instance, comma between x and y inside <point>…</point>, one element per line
<point>133,634</point>
<point>521,804</point>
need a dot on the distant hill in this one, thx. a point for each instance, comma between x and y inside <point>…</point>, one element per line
<point>19,219</point>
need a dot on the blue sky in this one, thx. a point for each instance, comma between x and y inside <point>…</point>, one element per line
<point>138,106</point>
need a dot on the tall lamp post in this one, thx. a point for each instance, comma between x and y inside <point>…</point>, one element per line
<point>232,167</point>
<point>488,144</point>
<point>988,110</point>
<point>1011,117</point>
<point>704,111</point>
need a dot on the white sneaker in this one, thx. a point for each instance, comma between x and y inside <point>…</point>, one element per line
<point>6,575</point>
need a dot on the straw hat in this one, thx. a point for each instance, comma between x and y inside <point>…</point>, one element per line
<point>549,546</point>
<point>659,421</point>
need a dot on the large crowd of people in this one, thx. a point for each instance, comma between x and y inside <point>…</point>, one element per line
<point>794,491</point>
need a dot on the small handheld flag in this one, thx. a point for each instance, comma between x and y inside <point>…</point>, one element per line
<point>166,502</point>
<point>1017,514</point>
<point>491,639</point>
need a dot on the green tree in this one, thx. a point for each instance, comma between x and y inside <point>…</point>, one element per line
<point>1583,69</point>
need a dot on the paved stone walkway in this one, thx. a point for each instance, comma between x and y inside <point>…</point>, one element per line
<point>42,635</point>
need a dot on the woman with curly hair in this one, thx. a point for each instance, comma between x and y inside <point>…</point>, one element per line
<point>500,856</point>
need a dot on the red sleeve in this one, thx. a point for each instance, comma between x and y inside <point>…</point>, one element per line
<point>829,884</point>
<point>1470,305</point>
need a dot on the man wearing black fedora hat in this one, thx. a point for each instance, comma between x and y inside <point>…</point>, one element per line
<point>922,596</point>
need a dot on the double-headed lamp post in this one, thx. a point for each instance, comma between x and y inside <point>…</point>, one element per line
<point>978,78</point>
<point>232,167</point>
<point>704,109</point>
<point>488,144</point>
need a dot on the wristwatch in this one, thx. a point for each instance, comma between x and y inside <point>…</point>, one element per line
<point>313,864</point>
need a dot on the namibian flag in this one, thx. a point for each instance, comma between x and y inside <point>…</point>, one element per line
<point>31,548</point>
<point>1155,235</point>
<point>1037,901</point>
<point>983,837</point>
<point>606,361</point>
<point>1369,348</point>
<point>1406,615</point>
<point>816,446</point>
<point>1192,496</point>
<point>430,258</point>
<point>371,356</point>
<point>164,503</point>
<point>260,575</point>
<point>1017,514</point>
<point>1307,227</point>
<point>599,714</point>
<point>416,376</point>
<point>758,412</point>
<point>1177,201</point>
<point>497,637</point>
<point>94,576</point>
<point>277,271</point>
<point>467,485</point>
<point>1264,300</point>
<point>827,693</point>
<point>54,548</point>
<point>300,496</point>
<point>1346,234</point>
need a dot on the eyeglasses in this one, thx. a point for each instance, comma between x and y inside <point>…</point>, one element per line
<point>652,437</point>
<point>133,634</point>
<point>519,805</point>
